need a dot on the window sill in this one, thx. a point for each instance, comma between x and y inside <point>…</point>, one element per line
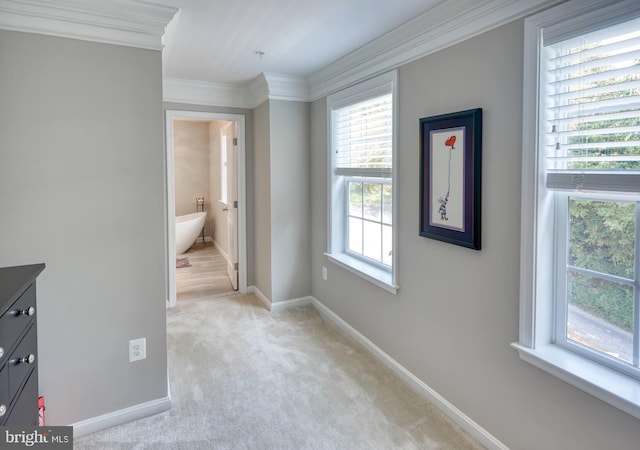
<point>615,388</point>
<point>380,277</point>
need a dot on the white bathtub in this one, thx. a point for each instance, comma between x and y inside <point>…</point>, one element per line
<point>188,229</point>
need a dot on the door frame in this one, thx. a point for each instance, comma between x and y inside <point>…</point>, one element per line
<point>239,119</point>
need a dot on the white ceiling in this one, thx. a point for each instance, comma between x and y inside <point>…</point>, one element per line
<point>311,47</point>
<point>216,40</point>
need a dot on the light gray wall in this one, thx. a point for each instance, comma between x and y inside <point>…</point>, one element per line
<point>282,200</point>
<point>82,190</point>
<point>290,200</point>
<point>262,201</point>
<point>457,309</point>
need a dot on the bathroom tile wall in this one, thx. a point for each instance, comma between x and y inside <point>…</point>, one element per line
<point>191,153</point>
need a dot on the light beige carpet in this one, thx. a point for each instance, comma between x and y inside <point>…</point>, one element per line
<point>243,378</point>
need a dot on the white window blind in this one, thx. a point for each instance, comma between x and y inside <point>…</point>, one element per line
<point>363,138</point>
<point>593,111</point>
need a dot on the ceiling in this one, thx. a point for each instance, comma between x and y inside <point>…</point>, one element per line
<point>217,40</point>
<point>241,52</point>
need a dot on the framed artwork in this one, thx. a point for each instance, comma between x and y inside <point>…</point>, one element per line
<point>450,177</point>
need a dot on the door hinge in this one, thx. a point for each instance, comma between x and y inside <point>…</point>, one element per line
<point>235,141</point>
<point>235,204</point>
<point>235,266</point>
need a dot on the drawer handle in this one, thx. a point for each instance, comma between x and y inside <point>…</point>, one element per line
<point>29,359</point>
<point>3,410</point>
<point>30,311</point>
<point>1,352</point>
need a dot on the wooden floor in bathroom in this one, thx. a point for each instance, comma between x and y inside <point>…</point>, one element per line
<point>207,274</point>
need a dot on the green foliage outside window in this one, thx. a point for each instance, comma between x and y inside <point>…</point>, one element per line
<point>602,233</point>
<point>602,239</point>
<point>374,197</point>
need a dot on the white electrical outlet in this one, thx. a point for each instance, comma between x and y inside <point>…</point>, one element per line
<point>324,273</point>
<point>137,349</point>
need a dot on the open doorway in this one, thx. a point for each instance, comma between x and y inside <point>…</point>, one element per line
<point>225,206</point>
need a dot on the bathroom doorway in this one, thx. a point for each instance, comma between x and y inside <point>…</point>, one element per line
<point>222,242</point>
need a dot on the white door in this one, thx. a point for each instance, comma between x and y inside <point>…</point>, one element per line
<point>232,213</point>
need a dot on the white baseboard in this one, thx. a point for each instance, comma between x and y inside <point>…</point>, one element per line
<point>220,249</point>
<point>255,291</point>
<point>288,304</point>
<point>426,392</point>
<point>121,416</point>
<point>279,306</point>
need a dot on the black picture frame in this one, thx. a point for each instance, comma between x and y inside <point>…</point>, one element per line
<point>450,177</point>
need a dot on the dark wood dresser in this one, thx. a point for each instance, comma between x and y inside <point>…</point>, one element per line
<point>18,345</point>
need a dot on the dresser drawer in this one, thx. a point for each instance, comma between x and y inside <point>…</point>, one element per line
<point>24,411</point>
<point>5,399</point>
<point>22,361</point>
<point>17,317</point>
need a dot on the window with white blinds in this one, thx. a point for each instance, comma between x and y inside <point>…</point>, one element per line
<point>580,215</point>
<point>363,138</point>
<point>361,197</point>
<point>593,110</point>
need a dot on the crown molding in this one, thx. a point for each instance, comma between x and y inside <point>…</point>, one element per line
<point>192,92</point>
<point>258,90</point>
<point>447,24</point>
<point>130,23</point>
<point>266,86</point>
<point>287,87</point>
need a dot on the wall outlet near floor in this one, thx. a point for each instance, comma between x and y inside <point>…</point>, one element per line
<point>137,349</point>
<point>324,273</point>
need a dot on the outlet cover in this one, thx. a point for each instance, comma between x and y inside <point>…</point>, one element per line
<point>137,349</point>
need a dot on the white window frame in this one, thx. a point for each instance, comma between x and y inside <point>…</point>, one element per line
<point>536,340</point>
<point>381,222</point>
<point>372,271</point>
